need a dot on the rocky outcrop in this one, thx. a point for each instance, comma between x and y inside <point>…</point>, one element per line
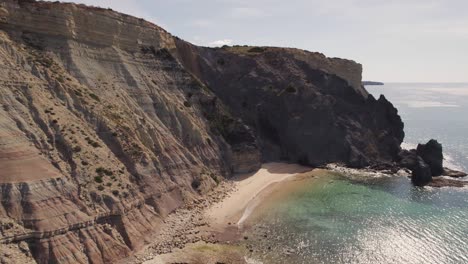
<point>300,111</point>
<point>454,173</point>
<point>426,162</point>
<point>421,173</point>
<point>108,124</point>
<point>408,158</point>
<point>431,153</point>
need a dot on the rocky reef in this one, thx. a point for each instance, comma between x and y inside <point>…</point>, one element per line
<point>426,162</point>
<point>108,123</point>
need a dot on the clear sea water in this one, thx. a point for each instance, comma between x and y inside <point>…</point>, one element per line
<point>342,219</point>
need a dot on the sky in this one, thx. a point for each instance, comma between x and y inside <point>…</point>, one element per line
<point>395,40</point>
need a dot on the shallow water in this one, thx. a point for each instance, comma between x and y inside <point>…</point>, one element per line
<point>336,219</point>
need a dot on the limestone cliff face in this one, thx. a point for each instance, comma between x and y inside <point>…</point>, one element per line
<point>106,121</point>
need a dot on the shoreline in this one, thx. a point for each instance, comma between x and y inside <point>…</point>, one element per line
<point>250,190</point>
<point>212,228</point>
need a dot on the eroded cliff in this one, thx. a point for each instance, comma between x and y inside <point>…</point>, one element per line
<point>108,123</point>
<point>303,106</point>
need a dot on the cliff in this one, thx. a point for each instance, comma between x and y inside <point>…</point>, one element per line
<point>109,123</point>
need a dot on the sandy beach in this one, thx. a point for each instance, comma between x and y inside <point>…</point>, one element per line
<point>220,221</point>
<point>249,191</point>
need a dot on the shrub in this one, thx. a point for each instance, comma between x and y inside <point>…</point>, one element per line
<point>187,104</point>
<point>115,193</point>
<point>46,61</point>
<point>291,89</point>
<point>95,97</point>
<point>84,163</point>
<point>164,54</point>
<point>213,176</point>
<point>196,183</point>
<point>100,188</point>
<point>257,50</point>
<point>98,179</point>
<point>101,171</point>
<point>221,61</point>
<point>77,149</point>
<point>92,142</point>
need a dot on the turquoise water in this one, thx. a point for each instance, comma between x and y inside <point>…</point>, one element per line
<point>339,219</point>
<point>372,220</point>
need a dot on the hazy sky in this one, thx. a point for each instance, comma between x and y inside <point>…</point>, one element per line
<point>395,40</point>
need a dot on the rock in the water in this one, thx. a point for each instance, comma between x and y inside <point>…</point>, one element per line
<point>421,174</point>
<point>454,173</point>
<point>408,158</point>
<point>444,182</point>
<point>431,153</point>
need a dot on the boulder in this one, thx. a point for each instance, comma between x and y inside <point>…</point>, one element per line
<point>431,153</point>
<point>444,182</point>
<point>421,173</point>
<point>408,158</point>
<point>454,173</point>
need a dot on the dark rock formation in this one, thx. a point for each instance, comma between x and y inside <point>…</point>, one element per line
<point>454,173</point>
<point>408,158</point>
<point>444,182</point>
<point>431,153</point>
<point>299,110</point>
<point>428,155</point>
<point>421,173</point>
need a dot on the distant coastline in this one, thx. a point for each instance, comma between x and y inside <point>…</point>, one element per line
<point>372,83</point>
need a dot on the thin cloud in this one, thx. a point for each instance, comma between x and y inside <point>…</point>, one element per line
<point>247,12</point>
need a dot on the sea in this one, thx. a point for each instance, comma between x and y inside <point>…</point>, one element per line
<point>339,218</point>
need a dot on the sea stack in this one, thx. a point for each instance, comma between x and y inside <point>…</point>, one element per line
<point>431,153</point>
